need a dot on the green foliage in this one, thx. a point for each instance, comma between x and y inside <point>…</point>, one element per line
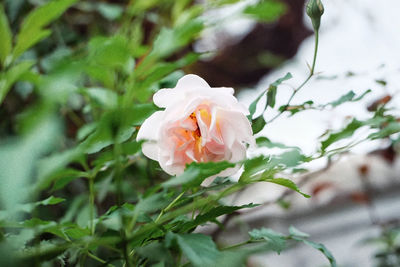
<point>75,186</point>
<point>266,10</point>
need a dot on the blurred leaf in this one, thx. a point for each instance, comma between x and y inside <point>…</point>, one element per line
<point>389,129</point>
<point>276,241</point>
<point>18,159</point>
<point>12,75</point>
<point>348,131</point>
<point>110,11</point>
<point>196,173</point>
<point>291,158</point>
<point>266,10</point>
<point>265,142</point>
<point>5,36</point>
<point>300,236</point>
<point>198,248</point>
<point>32,29</point>
<point>170,40</point>
<point>109,51</point>
<point>349,97</point>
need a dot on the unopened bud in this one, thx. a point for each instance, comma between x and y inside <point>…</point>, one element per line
<point>314,10</point>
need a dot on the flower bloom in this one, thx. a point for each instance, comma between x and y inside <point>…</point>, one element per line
<point>199,124</point>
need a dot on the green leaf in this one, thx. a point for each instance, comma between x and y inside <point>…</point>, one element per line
<point>51,201</point>
<point>349,97</point>
<point>291,158</point>
<point>271,92</point>
<point>109,51</point>
<point>212,215</point>
<point>18,158</point>
<point>196,173</point>
<point>198,248</point>
<point>300,236</point>
<point>254,166</point>
<point>110,11</point>
<point>287,183</point>
<point>391,128</point>
<point>265,142</point>
<point>152,203</point>
<point>348,131</point>
<point>258,124</point>
<point>275,240</point>
<point>5,36</point>
<point>170,40</point>
<point>32,30</point>
<point>266,10</point>
<point>11,76</point>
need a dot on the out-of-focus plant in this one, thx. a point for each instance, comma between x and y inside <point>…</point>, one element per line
<point>75,188</point>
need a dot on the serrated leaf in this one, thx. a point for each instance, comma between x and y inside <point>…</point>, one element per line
<point>287,183</point>
<point>275,240</point>
<point>196,173</point>
<point>5,36</point>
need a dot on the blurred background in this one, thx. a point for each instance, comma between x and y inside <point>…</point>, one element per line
<point>355,204</point>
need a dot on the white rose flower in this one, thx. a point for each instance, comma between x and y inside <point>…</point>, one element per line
<point>199,124</point>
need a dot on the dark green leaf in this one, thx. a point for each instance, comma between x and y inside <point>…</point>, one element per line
<point>258,124</point>
<point>212,215</point>
<point>198,248</point>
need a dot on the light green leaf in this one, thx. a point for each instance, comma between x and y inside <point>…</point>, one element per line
<point>266,10</point>
<point>5,36</point>
<point>32,29</point>
<point>11,76</point>
<point>391,128</point>
<point>276,241</point>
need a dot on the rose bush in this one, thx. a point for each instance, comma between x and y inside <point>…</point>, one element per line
<point>199,124</point>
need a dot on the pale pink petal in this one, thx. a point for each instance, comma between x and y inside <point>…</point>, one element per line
<point>191,81</point>
<point>150,127</point>
<point>150,150</point>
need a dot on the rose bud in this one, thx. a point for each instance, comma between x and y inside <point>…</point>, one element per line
<point>314,10</point>
<point>199,124</point>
